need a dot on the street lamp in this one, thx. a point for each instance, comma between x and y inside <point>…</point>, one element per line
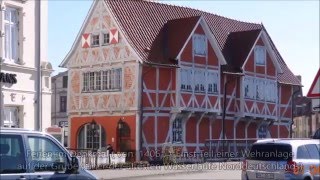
<point>120,127</point>
<point>93,132</point>
<point>292,109</point>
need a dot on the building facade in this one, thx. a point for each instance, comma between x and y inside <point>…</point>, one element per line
<point>59,99</point>
<point>22,35</point>
<point>175,75</point>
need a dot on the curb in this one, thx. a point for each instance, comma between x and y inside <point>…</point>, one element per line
<point>156,174</point>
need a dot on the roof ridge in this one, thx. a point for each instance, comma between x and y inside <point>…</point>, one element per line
<point>192,8</point>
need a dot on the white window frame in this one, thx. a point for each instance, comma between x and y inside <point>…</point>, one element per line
<point>260,89</point>
<point>106,80</point>
<point>11,117</point>
<point>186,79</point>
<point>212,82</point>
<point>200,45</point>
<point>260,59</point>
<point>86,130</point>
<point>11,51</point>
<point>105,41</point>
<point>200,80</point>
<point>249,89</point>
<point>93,40</point>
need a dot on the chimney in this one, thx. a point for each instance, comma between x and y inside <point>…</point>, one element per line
<point>299,77</point>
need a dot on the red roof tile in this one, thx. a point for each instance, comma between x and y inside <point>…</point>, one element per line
<point>170,40</point>
<point>143,21</point>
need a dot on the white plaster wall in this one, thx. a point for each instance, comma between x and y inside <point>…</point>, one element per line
<point>25,89</point>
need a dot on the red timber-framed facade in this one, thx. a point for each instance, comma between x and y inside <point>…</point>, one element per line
<point>164,71</point>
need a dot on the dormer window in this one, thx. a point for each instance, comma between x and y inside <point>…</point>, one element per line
<point>95,40</point>
<point>199,44</point>
<point>260,55</point>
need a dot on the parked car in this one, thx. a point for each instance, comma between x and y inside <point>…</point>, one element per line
<point>26,154</point>
<point>283,159</point>
<point>316,134</point>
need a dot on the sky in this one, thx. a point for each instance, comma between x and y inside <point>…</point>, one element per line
<point>292,25</point>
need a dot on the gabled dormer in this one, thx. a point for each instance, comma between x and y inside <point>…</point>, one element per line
<point>199,58</point>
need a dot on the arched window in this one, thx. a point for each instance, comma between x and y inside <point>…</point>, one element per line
<point>91,136</point>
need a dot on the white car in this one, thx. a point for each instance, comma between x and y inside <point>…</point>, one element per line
<point>283,159</point>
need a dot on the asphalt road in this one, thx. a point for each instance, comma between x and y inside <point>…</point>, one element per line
<point>226,170</point>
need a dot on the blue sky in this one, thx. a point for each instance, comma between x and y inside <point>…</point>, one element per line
<point>293,26</point>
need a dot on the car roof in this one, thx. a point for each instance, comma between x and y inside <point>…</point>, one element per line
<point>293,141</point>
<point>19,130</point>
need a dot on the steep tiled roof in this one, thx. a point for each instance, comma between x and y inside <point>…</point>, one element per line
<point>287,77</point>
<point>170,40</point>
<point>238,46</point>
<point>143,21</point>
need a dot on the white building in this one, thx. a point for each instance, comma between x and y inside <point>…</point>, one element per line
<point>23,49</point>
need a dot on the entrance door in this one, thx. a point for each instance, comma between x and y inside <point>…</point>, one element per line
<point>11,117</point>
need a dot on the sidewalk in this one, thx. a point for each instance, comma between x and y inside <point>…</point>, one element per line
<point>131,173</point>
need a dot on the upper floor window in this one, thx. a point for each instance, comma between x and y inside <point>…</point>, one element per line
<point>11,31</point>
<point>199,44</point>
<point>199,81</point>
<point>260,55</point>
<point>95,40</point>
<point>107,80</point>
<point>64,81</point>
<point>63,103</point>
<point>212,81</point>
<point>106,38</point>
<point>186,79</point>
<point>177,130</point>
<point>260,89</point>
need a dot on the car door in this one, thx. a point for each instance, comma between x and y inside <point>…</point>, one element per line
<point>314,161</point>
<point>47,158</point>
<point>13,158</point>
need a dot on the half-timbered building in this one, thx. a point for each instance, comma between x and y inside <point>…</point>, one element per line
<point>143,73</point>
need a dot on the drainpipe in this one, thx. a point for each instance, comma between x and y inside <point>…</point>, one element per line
<point>226,82</point>
<point>1,99</point>
<point>55,101</point>
<point>38,119</point>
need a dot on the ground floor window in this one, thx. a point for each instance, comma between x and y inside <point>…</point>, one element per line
<point>11,117</point>
<point>91,137</point>
<point>177,130</point>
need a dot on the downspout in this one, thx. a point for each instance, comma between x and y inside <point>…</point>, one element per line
<point>55,101</point>
<point>226,82</point>
<point>1,99</point>
<point>38,123</point>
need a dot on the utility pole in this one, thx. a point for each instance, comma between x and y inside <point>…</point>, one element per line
<point>38,120</point>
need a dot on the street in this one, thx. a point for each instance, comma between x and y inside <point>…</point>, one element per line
<point>223,170</point>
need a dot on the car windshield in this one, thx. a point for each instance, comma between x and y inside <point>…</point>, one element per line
<point>270,152</point>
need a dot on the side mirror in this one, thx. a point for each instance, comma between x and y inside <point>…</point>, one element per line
<point>74,166</point>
